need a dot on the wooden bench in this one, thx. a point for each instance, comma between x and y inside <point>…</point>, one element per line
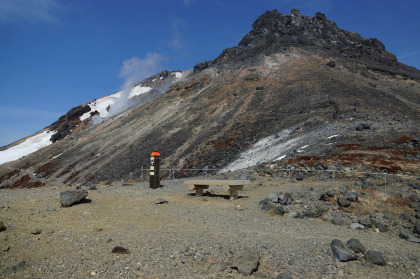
<point>234,186</point>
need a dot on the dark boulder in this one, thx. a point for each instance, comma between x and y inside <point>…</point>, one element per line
<point>341,252</point>
<point>247,261</point>
<point>355,245</point>
<point>375,257</point>
<point>362,126</point>
<point>343,202</point>
<point>70,197</point>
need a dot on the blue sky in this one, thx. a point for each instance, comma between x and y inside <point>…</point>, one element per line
<point>57,54</point>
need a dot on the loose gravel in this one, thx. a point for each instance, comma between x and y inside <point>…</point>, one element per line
<point>187,237</point>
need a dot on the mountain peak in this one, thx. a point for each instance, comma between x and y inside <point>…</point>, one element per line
<point>273,32</point>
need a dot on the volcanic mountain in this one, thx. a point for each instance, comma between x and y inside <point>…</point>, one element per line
<point>295,90</point>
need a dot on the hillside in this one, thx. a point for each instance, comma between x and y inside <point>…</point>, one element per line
<point>293,81</point>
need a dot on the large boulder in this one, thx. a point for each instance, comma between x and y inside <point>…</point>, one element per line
<point>247,261</point>
<point>341,252</point>
<point>70,197</point>
<point>375,257</point>
<point>355,245</point>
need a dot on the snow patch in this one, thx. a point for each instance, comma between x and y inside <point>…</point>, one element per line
<point>333,136</point>
<point>102,104</point>
<point>27,147</point>
<point>265,150</point>
<point>300,150</point>
<point>177,74</point>
<point>280,158</point>
<point>138,90</point>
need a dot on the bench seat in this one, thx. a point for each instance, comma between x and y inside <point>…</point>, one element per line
<point>234,185</point>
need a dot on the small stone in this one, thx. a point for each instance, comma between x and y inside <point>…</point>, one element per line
<point>19,267</point>
<point>50,209</point>
<point>338,219</point>
<point>375,257</point>
<point>414,198</point>
<point>220,266</point>
<point>412,238</point>
<point>279,210</point>
<point>341,252</point>
<point>120,250</point>
<point>283,276</point>
<point>331,63</point>
<point>160,201</point>
<point>381,227</point>
<point>362,126</point>
<point>327,217</point>
<point>35,231</point>
<point>344,202</point>
<point>315,197</point>
<point>404,234</point>
<point>416,228</point>
<point>366,222</point>
<point>293,214</point>
<point>352,197</point>
<point>266,204</point>
<point>2,226</point>
<point>274,198</point>
<point>355,245</point>
<point>356,226</point>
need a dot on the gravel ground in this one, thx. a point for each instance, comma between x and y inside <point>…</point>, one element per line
<point>189,237</point>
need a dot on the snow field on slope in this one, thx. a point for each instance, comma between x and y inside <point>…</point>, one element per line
<point>102,104</point>
<point>29,146</point>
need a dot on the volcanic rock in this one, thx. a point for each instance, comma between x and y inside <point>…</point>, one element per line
<point>341,252</point>
<point>375,257</point>
<point>70,197</point>
<point>2,226</point>
<point>247,261</point>
<point>355,245</point>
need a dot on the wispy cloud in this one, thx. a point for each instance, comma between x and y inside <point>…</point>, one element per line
<point>188,2</point>
<point>30,11</point>
<point>177,40</point>
<point>409,54</point>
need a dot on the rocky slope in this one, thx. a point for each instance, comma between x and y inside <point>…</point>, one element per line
<point>293,81</point>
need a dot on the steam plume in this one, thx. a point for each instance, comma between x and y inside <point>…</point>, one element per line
<point>135,70</point>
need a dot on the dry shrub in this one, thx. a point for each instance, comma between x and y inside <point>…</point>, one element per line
<point>374,201</point>
<point>397,201</point>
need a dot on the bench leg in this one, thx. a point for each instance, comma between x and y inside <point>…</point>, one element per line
<point>233,193</point>
<point>199,190</point>
<point>233,189</point>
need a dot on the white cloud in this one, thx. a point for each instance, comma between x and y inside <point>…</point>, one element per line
<point>29,11</point>
<point>137,69</point>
